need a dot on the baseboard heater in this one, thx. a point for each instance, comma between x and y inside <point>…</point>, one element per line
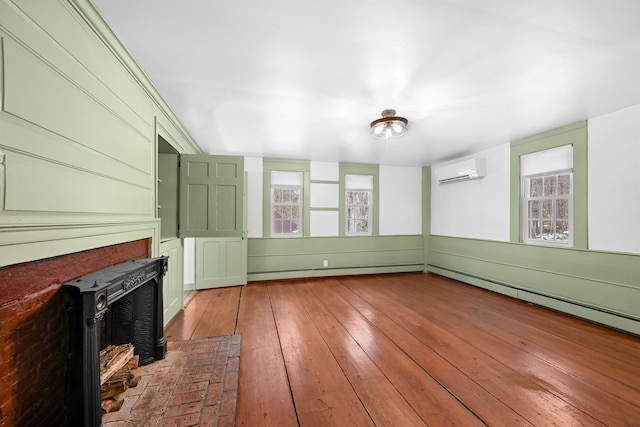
<point>533,292</point>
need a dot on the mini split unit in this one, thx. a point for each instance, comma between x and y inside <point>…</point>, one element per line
<point>463,170</point>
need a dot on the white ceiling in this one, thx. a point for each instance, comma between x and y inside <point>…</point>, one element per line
<point>303,80</point>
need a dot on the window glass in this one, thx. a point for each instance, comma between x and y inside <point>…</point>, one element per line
<point>286,203</point>
<point>359,203</point>
<point>547,201</point>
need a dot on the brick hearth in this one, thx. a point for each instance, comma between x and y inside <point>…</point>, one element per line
<point>195,385</point>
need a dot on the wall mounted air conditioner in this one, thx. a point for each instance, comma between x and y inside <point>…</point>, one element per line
<point>463,170</point>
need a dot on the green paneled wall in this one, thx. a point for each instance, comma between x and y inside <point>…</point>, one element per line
<point>600,286</point>
<point>78,126</point>
<point>303,257</point>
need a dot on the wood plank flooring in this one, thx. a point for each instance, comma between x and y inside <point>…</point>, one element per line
<point>414,350</point>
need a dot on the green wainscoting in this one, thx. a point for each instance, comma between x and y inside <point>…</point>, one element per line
<point>173,283</point>
<point>78,125</point>
<point>272,258</point>
<point>600,286</point>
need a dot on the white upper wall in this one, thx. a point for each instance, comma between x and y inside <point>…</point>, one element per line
<point>253,167</point>
<point>478,208</point>
<point>324,171</point>
<point>614,181</point>
<point>400,200</point>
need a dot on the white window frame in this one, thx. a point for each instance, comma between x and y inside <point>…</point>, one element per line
<point>361,184</point>
<point>548,166</point>
<point>288,183</point>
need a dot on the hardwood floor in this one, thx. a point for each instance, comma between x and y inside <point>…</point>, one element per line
<point>413,350</point>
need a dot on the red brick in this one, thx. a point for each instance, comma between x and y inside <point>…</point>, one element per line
<point>179,399</point>
<point>205,350</point>
<point>33,330</point>
<point>209,416</point>
<point>233,364</point>
<point>208,355</point>
<point>227,421</point>
<point>228,404</point>
<point>231,381</point>
<point>184,409</point>
<point>190,387</point>
<point>194,378</point>
<point>183,421</point>
<point>218,374</point>
<point>221,358</point>
<point>190,370</point>
<point>194,394</point>
<point>214,394</point>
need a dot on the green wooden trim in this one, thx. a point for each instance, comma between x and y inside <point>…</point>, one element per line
<point>359,169</point>
<point>426,210</point>
<point>325,209</point>
<point>315,181</point>
<point>173,284</point>
<point>93,18</point>
<point>2,67</point>
<point>354,253</point>
<point>252,277</point>
<point>45,237</point>
<point>600,286</point>
<point>270,164</point>
<point>575,134</point>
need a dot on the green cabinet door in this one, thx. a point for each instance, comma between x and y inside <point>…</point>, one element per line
<point>211,191</point>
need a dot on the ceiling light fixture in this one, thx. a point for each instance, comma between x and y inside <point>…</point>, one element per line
<point>389,126</point>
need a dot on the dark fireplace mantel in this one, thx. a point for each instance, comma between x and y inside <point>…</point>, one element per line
<point>116,305</point>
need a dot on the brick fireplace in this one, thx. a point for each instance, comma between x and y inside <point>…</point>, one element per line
<point>34,334</point>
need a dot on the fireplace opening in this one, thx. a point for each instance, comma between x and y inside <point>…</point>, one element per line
<point>130,320</point>
<point>118,305</point>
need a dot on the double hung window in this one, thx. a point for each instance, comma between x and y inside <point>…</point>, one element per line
<point>358,204</point>
<point>547,180</point>
<point>286,203</point>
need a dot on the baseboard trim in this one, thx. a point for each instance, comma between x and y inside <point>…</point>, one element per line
<point>600,315</point>
<point>326,272</point>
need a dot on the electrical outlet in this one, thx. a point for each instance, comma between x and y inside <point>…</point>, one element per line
<point>325,263</point>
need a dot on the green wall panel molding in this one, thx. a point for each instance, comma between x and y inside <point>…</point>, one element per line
<point>603,285</point>
<point>79,121</point>
<point>305,256</point>
<point>426,211</point>
<point>22,243</point>
<point>41,61</point>
<point>329,272</point>
<point>34,184</point>
<point>173,136</point>
<point>124,61</point>
<point>172,290</point>
<point>39,94</point>
<point>574,134</point>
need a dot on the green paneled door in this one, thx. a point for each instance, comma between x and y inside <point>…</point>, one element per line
<point>168,195</point>
<point>220,262</point>
<point>211,189</point>
<point>212,208</point>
